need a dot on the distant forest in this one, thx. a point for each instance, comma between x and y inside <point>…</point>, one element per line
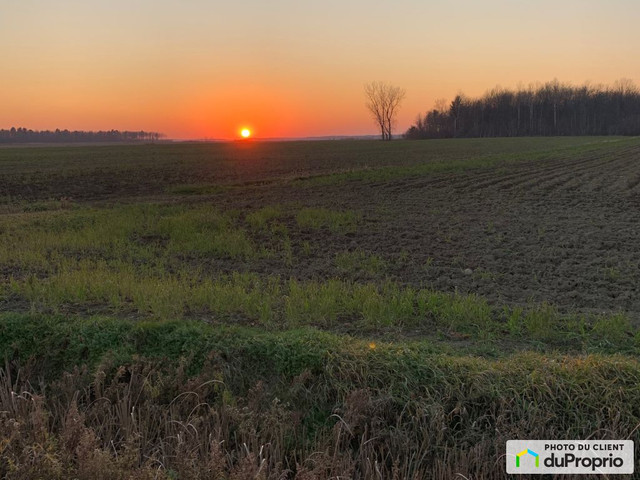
<point>23,135</point>
<point>546,109</point>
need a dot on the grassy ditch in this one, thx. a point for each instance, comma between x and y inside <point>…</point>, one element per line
<point>187,400</point>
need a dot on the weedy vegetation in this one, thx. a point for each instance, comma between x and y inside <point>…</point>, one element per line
<point>314,310</point>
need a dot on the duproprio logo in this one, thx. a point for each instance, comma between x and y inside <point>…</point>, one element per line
<point>530,452</point>
<point>569,456</point>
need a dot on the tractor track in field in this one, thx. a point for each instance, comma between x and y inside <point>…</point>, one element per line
<point>545,179</point>
<point>522,172</point>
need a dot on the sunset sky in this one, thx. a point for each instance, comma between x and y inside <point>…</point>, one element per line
<point>204,69</point>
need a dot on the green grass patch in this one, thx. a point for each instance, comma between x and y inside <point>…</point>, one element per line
<point>322,218</point>
<point>135,234</point>
<point>277,303</point>
<point>261,218</point>
<point>360,262</point>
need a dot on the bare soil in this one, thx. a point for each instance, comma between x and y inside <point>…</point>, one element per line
<point>561,229</point>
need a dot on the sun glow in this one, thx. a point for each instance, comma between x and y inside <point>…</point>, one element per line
<point>245,133</point>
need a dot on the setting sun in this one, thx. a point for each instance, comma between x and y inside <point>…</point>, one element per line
<point>245,132</point>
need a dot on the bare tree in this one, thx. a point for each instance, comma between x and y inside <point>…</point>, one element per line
<point>383,101</point>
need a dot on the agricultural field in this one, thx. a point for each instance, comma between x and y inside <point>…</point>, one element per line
<point>312,310</point>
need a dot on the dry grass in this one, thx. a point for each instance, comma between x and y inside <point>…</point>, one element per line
<point>170,400</point>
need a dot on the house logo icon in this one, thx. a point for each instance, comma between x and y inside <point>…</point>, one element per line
<point>530,452</point>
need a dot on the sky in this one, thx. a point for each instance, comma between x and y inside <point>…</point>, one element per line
<point>196,69</point>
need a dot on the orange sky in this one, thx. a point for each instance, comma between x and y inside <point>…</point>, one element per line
<point>203,68</point>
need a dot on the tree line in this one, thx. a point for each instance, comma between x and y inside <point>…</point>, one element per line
<point>548,109</point>
<point>23,135</point>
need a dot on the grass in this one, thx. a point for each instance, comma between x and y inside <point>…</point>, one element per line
<point>129,233</point>
<point>321,218</point>
<point>276,303</point>
<point>154,234</point>
<point>410,401</point>
<point>261,218</point>
<point>360,262</point>
<point>162,261</point>
<point>221,311</point>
